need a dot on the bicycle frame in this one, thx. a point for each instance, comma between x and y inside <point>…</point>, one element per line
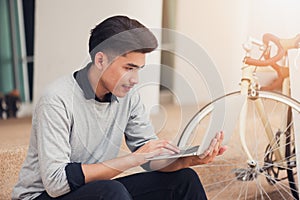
<point>250,87</point>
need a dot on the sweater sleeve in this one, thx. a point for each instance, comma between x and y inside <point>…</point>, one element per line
<point>75,175</point>
<point>52,125</point>
<point>139,129</point>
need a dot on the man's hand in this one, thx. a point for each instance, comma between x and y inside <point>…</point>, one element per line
<point>155,148</point>
<point>209,155</point>
<point>111,168</point>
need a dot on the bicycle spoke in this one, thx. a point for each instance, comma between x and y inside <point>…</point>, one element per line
<point>261,190</point>
<point>282,186</point>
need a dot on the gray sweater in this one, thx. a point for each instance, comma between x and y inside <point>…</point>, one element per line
<point>68,127</point>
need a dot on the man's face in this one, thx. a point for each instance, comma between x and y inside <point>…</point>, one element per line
<point>122,74</point>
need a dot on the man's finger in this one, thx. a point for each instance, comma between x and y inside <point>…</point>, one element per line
<point>172,147</point>
<point>212,146</point>
<point>222,150</point>
<point>203,155</point>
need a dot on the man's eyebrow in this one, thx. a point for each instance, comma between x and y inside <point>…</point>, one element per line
<point>136,66</point>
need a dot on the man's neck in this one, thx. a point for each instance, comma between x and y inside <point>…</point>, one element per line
<point>94,76</point>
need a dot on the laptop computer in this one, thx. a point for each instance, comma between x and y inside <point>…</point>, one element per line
<point>225,122</point>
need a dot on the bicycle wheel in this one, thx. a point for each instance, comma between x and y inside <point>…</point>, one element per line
<point>233,175</point>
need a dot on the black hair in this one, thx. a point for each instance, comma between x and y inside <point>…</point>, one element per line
<point>119,35</point>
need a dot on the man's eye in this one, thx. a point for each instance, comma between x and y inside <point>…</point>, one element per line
<point>129,68</point>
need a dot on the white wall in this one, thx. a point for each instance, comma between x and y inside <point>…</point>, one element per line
<point>62,33</point>
<point>221,27</point>
<point>218,27</point>
<point>279,17</point>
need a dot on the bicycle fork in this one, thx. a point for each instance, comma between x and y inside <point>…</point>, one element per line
<point>267,127</point>
<point>249,89</point>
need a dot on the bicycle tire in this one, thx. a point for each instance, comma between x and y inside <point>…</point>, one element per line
<point>289,152</point>
<point>269,180</point>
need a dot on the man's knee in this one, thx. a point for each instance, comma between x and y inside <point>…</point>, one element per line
<point>190,185</point>
<point>188,174</point>
<point>114,190</point>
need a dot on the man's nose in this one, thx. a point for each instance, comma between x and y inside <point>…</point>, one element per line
<point>134,78</point>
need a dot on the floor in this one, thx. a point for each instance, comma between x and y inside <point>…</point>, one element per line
<point>14,139</point>
<point>15,132</point>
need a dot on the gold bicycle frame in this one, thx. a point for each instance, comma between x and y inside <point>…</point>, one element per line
<point>249,89</point>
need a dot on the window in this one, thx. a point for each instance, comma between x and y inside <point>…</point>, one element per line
<point>16,51</point>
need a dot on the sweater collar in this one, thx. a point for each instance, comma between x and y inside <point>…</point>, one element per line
<point>81,77</point>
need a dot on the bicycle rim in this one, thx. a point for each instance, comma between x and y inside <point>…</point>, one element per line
<point>231,177</point>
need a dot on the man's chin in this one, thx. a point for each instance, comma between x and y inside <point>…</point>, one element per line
<point>121,95</point>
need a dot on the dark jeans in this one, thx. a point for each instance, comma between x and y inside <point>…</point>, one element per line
<point>180,185</point>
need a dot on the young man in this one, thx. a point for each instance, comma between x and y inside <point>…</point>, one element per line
<point>79,122</point>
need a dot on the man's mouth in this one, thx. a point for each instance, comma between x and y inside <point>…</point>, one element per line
<point>127,87</point>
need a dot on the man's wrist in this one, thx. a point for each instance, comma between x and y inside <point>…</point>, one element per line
<point>136,159</point>
<point>185,162</point>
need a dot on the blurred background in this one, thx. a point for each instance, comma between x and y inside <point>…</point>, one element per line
<point>41,40</point>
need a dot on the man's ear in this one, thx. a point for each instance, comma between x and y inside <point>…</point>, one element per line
<point>100,60</point>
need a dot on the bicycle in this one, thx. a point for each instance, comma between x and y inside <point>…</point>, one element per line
<point>260,162</point>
